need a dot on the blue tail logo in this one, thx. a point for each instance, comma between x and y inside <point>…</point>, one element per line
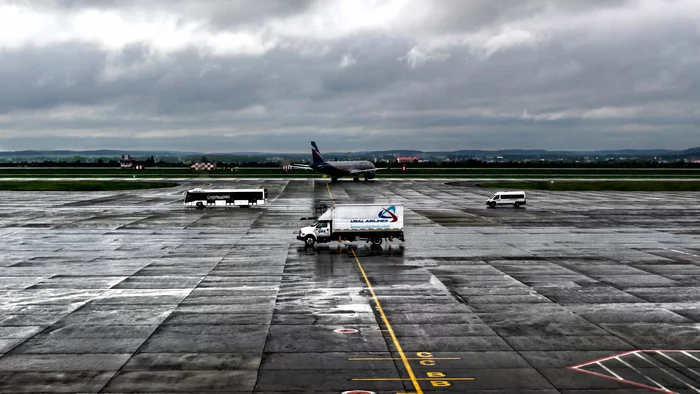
<point>316,157</point>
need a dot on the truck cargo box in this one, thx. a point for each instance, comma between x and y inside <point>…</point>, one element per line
<point>365,217</point>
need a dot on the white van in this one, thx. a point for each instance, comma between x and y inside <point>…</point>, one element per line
<point>507,198</point>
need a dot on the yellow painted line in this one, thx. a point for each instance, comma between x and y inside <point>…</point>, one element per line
<point>397,358</point>
<point>443,379</point>
<point>329,192</point>
<point>406,364</point>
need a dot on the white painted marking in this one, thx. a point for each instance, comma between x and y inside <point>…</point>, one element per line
<point>679,363</point>
<point>668,373</point>
<point>648,378</point>
<point>678,251</point>
<point>690,355</point>
<point>609,370</point>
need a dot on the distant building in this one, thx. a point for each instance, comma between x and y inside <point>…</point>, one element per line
<point>126,161</point>
<point>406,159</point>
<point>203,166</point>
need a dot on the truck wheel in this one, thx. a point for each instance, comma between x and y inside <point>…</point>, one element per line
<point>376,241</point>
<point>200,204</point>
<point>309,241</point>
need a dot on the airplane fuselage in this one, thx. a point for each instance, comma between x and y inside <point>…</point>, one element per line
<point>342,168</point>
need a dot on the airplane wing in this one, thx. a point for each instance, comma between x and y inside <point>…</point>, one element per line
<point>358,172</point>
<point>301,166</point>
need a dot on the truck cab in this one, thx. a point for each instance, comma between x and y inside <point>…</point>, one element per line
<point>318,232</point>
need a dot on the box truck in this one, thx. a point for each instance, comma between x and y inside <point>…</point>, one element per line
<point>350,222</point>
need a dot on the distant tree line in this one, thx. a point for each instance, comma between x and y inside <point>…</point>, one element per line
<point>151,162</point>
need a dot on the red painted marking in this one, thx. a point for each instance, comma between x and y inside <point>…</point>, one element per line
<point>579,367</point>
<point>644,386</point>
<point>345,330</point>
<point>605,358</point>
<point>358,392</point>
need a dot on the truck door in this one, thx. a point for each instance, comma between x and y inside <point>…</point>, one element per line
<point>323,230</point>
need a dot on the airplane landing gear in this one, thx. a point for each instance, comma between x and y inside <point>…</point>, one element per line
<point>334,179</point>
<point>356,179</point>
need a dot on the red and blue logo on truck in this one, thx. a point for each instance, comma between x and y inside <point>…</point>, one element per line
<point>389,213</point>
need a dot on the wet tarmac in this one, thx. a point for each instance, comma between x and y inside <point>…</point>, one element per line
<point>131,292</point>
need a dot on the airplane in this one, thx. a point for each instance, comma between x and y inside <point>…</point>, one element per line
<point>337,169</point>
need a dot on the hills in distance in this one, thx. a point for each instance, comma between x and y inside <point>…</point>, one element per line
<point>465,153</point>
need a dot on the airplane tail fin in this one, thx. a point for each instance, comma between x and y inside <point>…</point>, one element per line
<point>315,154</point>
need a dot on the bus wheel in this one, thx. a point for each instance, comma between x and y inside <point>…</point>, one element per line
<point>309,241</point>
<point>200,204</point>
<point>376,241</point>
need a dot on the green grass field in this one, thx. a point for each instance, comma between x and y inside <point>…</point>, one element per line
<point>81,186</point>
<point>624,186</point>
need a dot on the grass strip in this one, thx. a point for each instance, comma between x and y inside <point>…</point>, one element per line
<point>81,186</point>
<point>621,186</point>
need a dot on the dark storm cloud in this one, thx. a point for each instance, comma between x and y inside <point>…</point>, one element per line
<point>520,74</point>
<point>460,16</point>
<point>219,13</point>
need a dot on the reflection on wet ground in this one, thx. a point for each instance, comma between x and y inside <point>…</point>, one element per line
<point>131,292</point>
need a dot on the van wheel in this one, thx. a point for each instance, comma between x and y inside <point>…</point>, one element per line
<point>309,241</point>
<point>517,205</point>
<point>492,205</point>
<point>376,241</point>
<point>200,205</point>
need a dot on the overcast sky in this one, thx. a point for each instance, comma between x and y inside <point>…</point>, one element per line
<point>234,75</point>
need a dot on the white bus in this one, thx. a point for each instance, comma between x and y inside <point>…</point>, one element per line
<point>515,199</point>
<point>201,198</point>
